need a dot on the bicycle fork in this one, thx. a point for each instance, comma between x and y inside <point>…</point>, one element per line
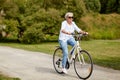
<point>80,56</point>
<point>81,59</point>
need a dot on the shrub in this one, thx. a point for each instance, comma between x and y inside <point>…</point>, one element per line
<point>11,27</point>
<point>102,26</point>
<point>32,35</point>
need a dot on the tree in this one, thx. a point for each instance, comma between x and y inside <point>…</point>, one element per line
<point>93,5</point>
<point>46,15</point>
<point>110,6</point>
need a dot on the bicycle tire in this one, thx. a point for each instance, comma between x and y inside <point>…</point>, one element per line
<point>83,68</point>
<point>57,60</point>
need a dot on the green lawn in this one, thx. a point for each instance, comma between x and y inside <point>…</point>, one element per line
<point>104,52</point>
<point>3,77</point>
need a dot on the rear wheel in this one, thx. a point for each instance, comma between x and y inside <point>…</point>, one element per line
<point>83,64</point>
<point>57,60</point>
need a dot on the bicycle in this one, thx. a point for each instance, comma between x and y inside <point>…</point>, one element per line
<point>83,64</point>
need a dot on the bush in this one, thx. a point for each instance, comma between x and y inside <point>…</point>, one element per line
<point>11,27</point>
<point>32,35</point>
<point>102,26</point>
<point>93,5</point>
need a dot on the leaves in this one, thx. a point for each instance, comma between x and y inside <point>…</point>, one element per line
<point>47,15</point>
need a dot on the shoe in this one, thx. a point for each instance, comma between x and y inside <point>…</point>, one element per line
<point>73,56</point>
<point>64,70</point>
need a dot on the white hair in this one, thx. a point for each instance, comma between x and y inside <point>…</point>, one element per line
<point>68,14</point>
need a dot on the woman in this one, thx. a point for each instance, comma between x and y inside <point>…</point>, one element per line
<point>65,38</point>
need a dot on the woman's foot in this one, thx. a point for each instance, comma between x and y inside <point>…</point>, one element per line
<point>64,70</point>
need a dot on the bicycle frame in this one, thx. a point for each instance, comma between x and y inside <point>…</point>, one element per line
<point>76,48</point>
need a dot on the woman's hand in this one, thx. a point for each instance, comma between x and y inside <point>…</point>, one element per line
<point>83,32</point>
<point>86,33</point>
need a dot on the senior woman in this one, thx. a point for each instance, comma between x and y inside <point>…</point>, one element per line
<point>68,27</point>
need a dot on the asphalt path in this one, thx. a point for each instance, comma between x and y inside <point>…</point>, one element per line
<point>28,65</point>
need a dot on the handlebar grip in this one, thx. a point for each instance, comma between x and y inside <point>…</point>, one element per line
<point>72,33</point>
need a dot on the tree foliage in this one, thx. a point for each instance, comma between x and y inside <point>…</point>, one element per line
<point>31,20</point>
<point>93,5</point>
<point>110,6</point>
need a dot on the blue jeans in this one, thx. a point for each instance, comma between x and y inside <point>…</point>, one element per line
<point>63,45</point>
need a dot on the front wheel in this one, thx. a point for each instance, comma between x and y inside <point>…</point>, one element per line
<point>83,64</point>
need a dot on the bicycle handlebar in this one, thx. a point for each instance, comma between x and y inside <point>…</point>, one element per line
<point>79,35</point>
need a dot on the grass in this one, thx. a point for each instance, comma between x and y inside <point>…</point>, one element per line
<point>104,52</point>
<point>3,77</point>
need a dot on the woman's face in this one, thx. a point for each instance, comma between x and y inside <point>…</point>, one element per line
<point>69,20</point>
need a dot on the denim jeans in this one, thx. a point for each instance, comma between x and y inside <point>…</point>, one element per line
<point>64,46</point>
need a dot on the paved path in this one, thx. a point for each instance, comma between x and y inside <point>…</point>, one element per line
<point>29,65</point>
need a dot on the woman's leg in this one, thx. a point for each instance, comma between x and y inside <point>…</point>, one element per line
<point>71,42</point>
<point>64,47</point>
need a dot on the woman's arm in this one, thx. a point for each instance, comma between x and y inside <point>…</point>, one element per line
<point>66,32</point>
